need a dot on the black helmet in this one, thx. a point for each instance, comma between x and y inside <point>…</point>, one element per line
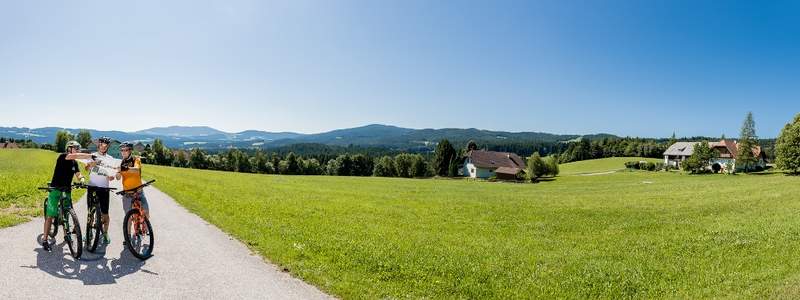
<point>128,145</point>
<point>105,140</point>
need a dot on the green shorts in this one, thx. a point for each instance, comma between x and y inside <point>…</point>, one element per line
<point>52,202</point>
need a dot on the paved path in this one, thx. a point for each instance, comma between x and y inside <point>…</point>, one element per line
<point>192,259</point>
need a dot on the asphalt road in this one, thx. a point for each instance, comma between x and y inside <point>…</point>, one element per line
<point>192,259</point>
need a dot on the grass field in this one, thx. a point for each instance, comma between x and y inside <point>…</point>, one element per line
<point>601,165</point>
<point>21,172</point>
<point>620,235</point>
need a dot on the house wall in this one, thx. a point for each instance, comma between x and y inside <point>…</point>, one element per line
<point>470,170</point>
<point>673,160</point>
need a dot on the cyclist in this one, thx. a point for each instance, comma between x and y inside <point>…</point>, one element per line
<point>131,175</point>
<point>65,169</point>
<point>98,180</point>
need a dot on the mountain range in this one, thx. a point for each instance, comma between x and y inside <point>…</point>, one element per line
<point>374,135</point>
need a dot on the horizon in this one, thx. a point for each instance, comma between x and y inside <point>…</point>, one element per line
<point>677,136</point>
<point>624,68</point>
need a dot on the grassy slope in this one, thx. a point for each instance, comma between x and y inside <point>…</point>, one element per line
<point>21,171</point>
<point>600,165</point>
<point>608,236</point>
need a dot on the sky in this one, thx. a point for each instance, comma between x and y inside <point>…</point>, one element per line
<point>631,68</point>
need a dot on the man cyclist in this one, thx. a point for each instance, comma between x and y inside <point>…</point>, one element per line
<point>131,175</point>
<point>98,180</point>
<point>65,169</point>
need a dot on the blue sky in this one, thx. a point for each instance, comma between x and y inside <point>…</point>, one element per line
<point>640,68</point>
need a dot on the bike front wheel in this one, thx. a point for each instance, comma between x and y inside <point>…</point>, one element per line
<point>138,234</point>
<point>72,234</point>
<point>94,226</point>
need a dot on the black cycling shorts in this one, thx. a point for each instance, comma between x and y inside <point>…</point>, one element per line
<point>101,195</point>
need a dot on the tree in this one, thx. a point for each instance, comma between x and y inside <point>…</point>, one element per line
<point>84,138</point>
<point>312,167</point>
<point>672,140</point>
<point>384,167</point>
<point>471,145</point>
<point>180,160</point>
<point>452,168</point>
<point>292,165</point>
<point>261,162</point>
<point>787,147</point>
<point>552,165</point>
<point>419,167</point>
<point>402,164</point>
<point>699,160</point>
<point>362,166</point>
<point>342,166</point>
<point>444,154</point>
<point>536,167</point>
<point>197,160</point>
<point>276,163</point>
<point>747,141</point>
<point>161,152</point>
<point>62,137</point>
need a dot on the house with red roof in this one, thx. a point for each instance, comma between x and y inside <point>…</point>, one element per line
<point>485,164</point>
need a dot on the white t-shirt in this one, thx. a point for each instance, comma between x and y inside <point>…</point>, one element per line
<point>106,164</point>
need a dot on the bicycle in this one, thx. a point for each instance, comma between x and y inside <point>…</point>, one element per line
<point>136,227</point>
<point>72,234</point>
<point>94,220</point>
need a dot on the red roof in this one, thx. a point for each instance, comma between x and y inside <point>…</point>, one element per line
<point>491,159</point>
<point>733,148</point>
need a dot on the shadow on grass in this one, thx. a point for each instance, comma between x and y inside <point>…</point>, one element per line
<point>91,268</point>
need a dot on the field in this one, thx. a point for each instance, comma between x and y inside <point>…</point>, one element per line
<point>21,171</point>
<point>594,166</point>
<point>620,235</point>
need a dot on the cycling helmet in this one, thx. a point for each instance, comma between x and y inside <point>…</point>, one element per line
<point>74,144</point>
<point>124,145</point>
<point>105,140</point>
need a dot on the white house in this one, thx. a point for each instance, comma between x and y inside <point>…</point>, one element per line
<point>727,151</point>
<point>485,164</point>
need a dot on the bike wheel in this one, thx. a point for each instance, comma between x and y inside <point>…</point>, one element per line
<point>138,235</point>
<point>72,234</point>
<point>53,225</point>
<point>94,226</point>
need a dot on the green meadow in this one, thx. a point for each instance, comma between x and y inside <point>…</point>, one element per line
<point>594,166</point>
<point>619,235</point>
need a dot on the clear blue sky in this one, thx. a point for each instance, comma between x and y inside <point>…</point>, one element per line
<point>643,68</point>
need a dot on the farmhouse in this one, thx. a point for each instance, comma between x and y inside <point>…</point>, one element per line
<point>485,164</point>
<point>728,151</point>
<point>9,145</point>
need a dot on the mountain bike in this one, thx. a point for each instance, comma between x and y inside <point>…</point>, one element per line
<point>67,219</point>
<point>94,218</point>
<point>136,227</point>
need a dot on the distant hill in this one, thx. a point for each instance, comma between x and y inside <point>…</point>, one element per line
<point>182,131</point>
<point>374,135</point>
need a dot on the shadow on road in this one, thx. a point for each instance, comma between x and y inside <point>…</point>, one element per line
<point>91,269</point>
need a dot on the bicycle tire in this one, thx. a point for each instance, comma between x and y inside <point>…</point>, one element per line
<point>94,227</point>
<point>128,223</point>
<point>73,235</point>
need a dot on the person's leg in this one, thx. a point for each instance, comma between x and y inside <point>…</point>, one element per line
<point>51,209</point>
<point>103,199</point>
<point>126,203</point>
<point>145,206</point>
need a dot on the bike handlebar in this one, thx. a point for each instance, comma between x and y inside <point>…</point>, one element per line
<point>101,188</point>
<point>62,188</point>
<point>136,188</point>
